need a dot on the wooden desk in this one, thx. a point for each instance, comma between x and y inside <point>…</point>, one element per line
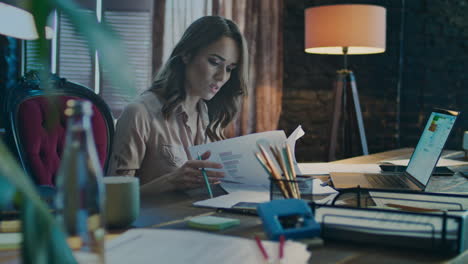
<point>172,209</point>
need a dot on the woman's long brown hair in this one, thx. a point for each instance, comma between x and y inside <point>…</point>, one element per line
<point>169,82</point>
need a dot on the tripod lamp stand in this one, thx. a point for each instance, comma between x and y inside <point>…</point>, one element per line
<point>345,30</point>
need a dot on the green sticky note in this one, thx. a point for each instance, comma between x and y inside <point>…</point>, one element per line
<point>212,222</point>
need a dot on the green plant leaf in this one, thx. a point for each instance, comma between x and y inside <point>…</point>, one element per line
<point>44,242</point>
<point>7,191</point>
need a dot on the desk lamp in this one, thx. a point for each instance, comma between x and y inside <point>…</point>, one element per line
<point>345,30</point>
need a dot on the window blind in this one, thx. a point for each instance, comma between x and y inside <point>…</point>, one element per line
<point>75,61</point>
<point>135,30</point>
<point>31,52</point>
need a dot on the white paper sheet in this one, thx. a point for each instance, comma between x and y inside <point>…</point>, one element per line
<point>254,194</point>
<point>325,168</point>
<point>228,200</point>
<point>295,135</point>
<point>231,187</point>
<point>238,158</point>
<point>182,246</point>
<point>318,189</point>
<point>382,199</point>
<point>441,163</point>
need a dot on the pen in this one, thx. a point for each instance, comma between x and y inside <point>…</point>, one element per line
<point>262,249</point>
<point>208,186</point>
<point>326,183</point>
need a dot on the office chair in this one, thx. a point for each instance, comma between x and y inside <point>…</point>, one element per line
<point>36,125</point>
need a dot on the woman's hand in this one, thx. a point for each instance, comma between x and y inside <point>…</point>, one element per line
<point>190,174</point>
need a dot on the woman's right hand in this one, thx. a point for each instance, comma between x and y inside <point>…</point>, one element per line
<point>190,174</point>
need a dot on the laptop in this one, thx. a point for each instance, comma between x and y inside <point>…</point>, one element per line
<point>420,166</point>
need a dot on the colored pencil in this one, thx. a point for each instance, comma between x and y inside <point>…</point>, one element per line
<point>291,167</point>
<point>275,173</point>
<point>279,159</point>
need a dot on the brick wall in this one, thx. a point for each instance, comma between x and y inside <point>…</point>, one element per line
<point>434,73</point>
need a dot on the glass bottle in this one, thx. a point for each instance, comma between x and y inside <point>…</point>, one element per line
<point>80,191</point>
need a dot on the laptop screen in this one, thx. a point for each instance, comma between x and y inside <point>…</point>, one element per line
<point>430,146</point>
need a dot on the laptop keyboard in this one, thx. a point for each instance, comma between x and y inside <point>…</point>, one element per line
<point>394,181</point>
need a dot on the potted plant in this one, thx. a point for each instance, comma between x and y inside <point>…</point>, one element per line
<point>43,240</point>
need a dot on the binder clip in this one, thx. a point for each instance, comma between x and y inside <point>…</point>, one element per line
<point>292,218</point>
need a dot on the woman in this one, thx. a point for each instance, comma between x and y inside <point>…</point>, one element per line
<point>196,94</point>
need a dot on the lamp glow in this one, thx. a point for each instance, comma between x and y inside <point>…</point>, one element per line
<point>360,28</point>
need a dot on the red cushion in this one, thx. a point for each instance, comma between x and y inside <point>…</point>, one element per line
<point>44,148</point>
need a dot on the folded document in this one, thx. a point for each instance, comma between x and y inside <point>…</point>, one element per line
<point>238,158</point>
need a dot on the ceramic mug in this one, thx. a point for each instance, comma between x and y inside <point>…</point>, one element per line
<point>465,144</point>
<point>122,205</point>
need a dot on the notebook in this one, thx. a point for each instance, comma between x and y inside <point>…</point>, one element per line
<point>420,166</point>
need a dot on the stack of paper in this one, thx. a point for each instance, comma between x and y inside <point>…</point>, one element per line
<point>323,168</point>
<point>171,246</point>
<point>441,163</point>
<point>255,194</point>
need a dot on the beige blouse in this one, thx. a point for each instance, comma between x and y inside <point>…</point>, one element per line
<point>149,144</point>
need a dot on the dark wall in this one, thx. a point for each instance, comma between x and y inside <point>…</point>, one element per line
<point>433,48</point>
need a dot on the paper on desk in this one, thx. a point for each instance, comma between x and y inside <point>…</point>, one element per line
<point>325,168</point>
<point>441,163</point>
<point>253,194</point>
<point>317,188</point>
<point>231,187</point>
<point>295,135</point>
<point>381,199</point>
<point>182,246</point>
<point>228,200</point>
<point>238,158</point>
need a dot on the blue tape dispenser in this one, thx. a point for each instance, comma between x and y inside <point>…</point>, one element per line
<point>292,218</point>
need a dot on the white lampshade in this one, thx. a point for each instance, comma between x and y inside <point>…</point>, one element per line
<point>465,141</point>
<point>19,23</point>
<point>360,28</point>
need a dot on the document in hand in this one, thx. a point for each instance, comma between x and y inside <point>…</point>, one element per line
<point>238,158</point>
<point>182,246</point>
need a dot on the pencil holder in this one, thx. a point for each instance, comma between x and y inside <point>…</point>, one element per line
<point>301,188</point>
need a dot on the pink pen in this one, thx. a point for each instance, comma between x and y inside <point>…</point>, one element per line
<point>281,248</point>
<point>262,249</point>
